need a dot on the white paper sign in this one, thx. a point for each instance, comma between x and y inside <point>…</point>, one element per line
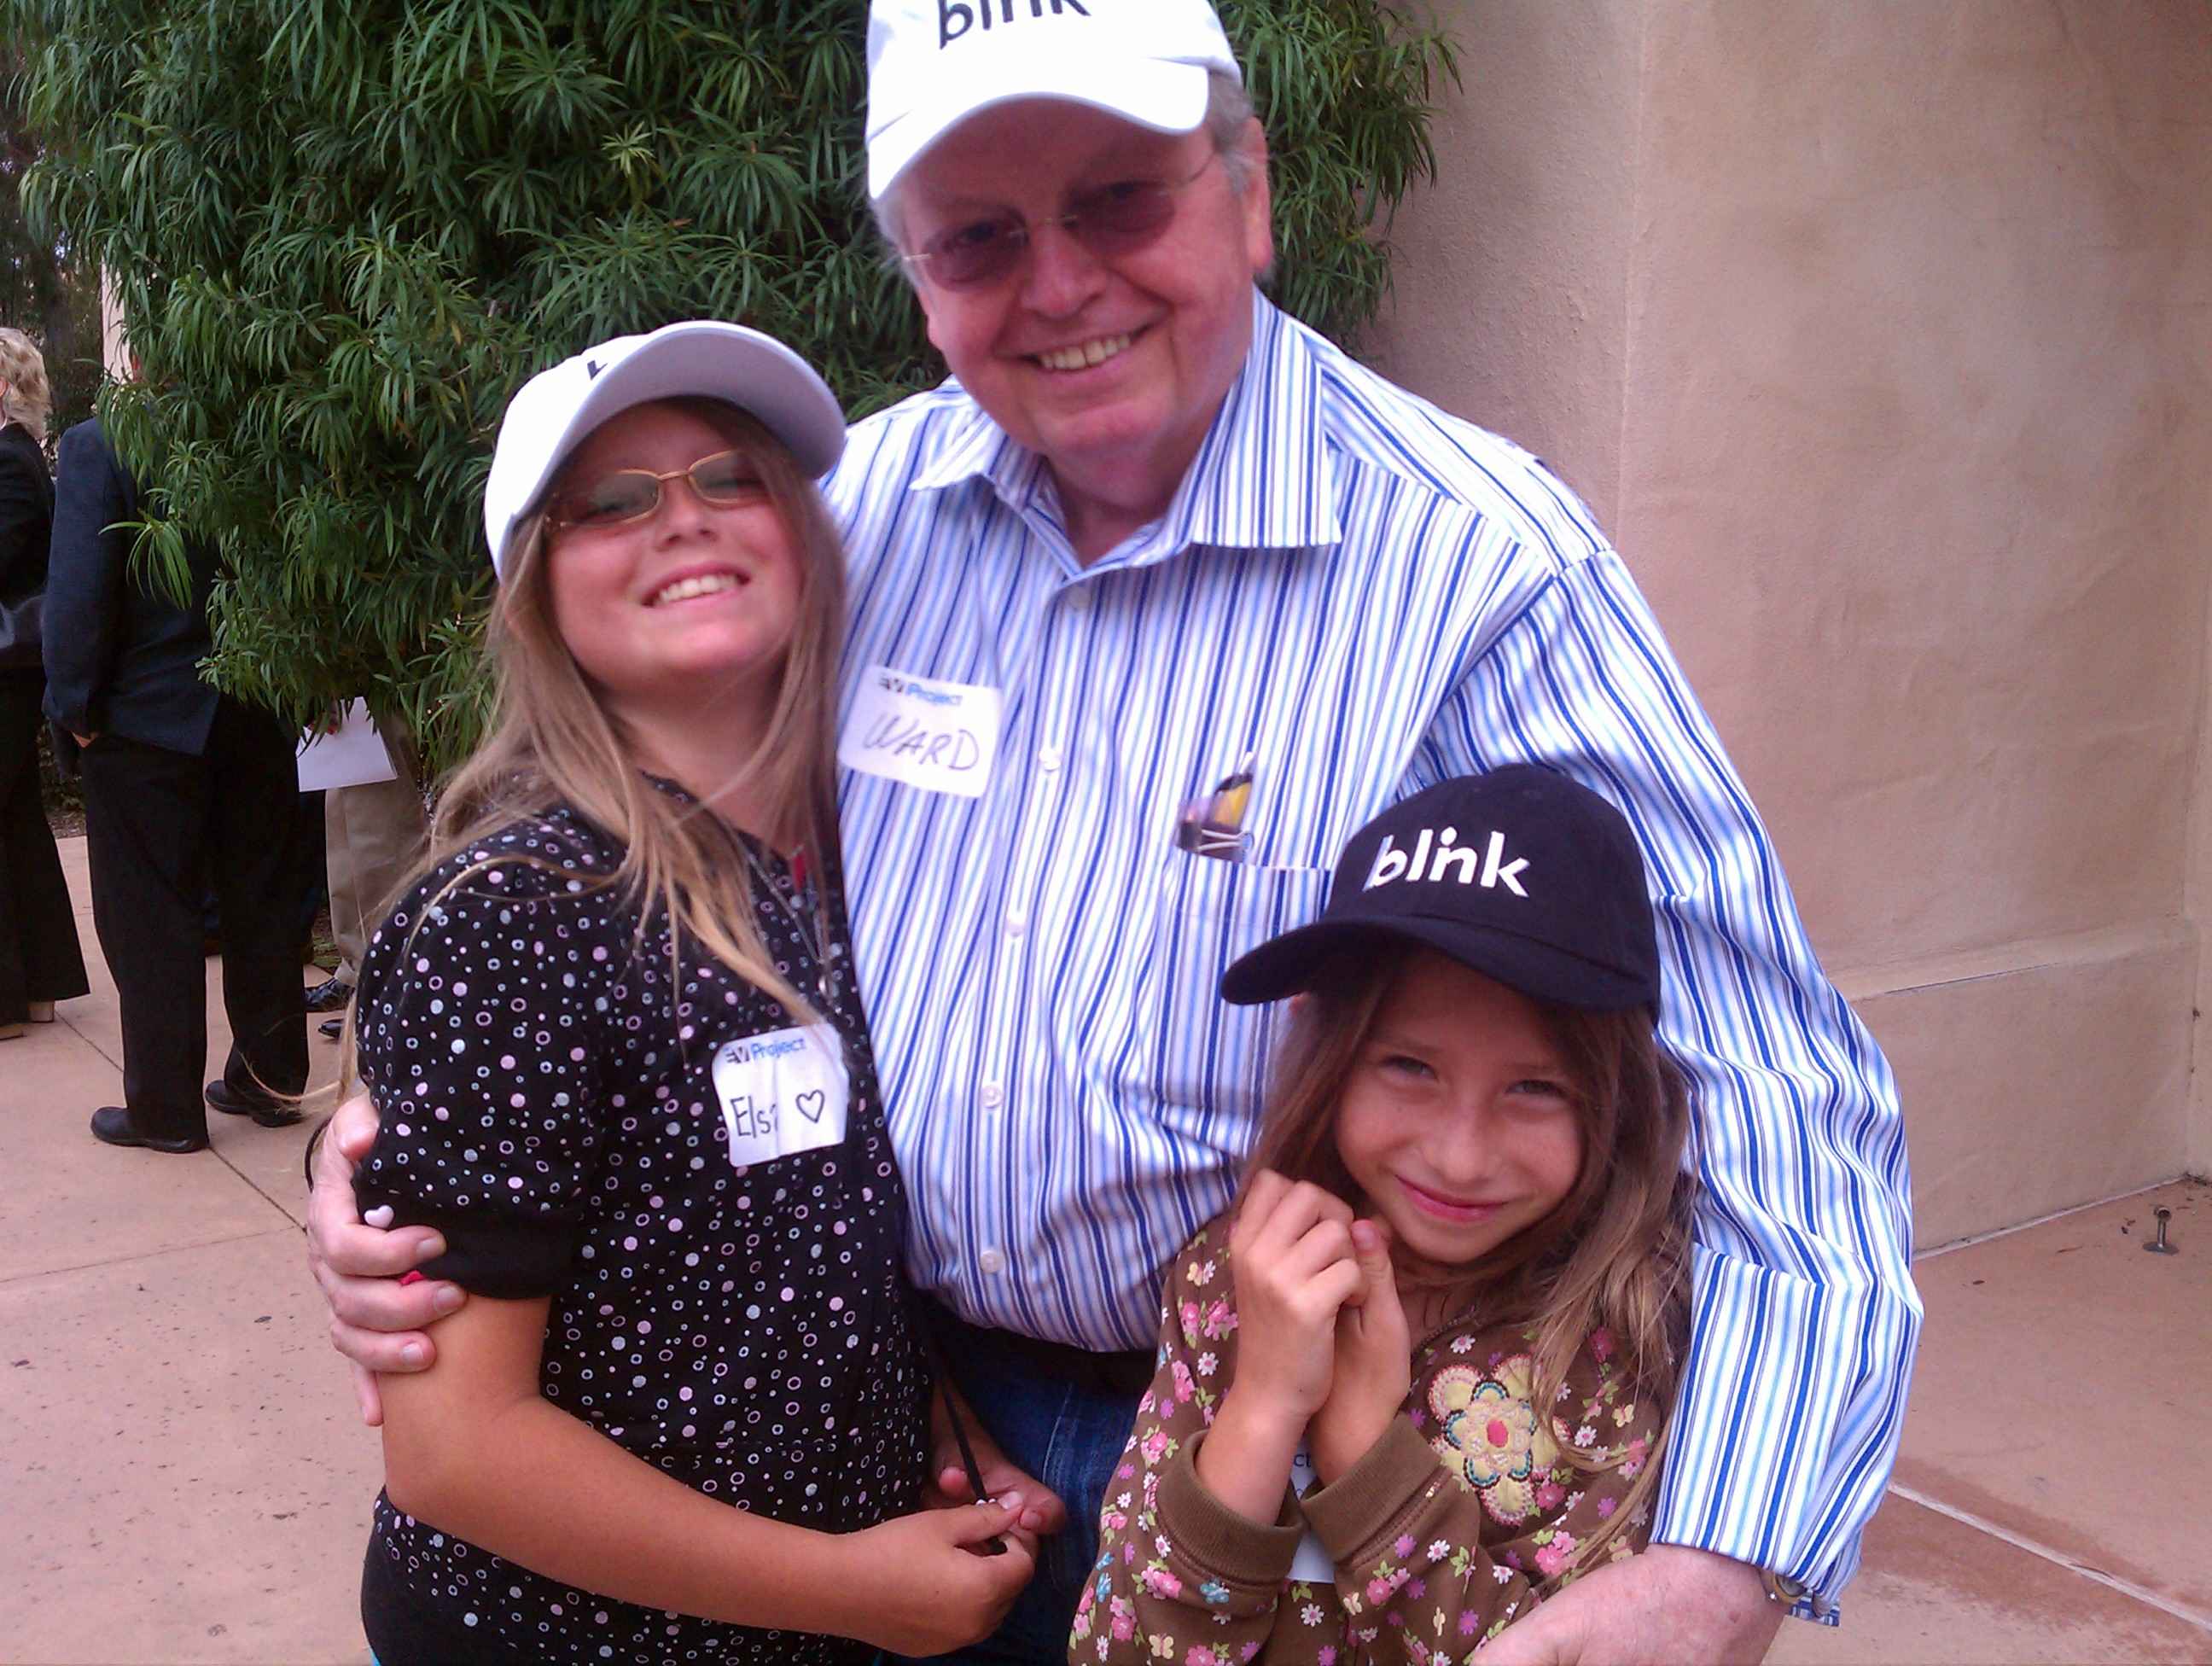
<point>1313,1563</point>
<point>940,737</point>
<point>352,755</point>
<point>781,1093</point>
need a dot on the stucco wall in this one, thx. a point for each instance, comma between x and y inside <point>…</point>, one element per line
<point>1881,336</point>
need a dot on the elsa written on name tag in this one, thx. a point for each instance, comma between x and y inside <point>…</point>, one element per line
<point>940,737</point>
<point>781,1093</point>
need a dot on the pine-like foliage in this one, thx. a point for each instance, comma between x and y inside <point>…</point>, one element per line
<point>345,231</point>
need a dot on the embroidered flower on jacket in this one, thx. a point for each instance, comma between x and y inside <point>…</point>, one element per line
<point>1488,1436</point>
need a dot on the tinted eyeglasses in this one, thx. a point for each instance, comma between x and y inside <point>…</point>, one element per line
<point>727,480</point>
<point>1109,220</point>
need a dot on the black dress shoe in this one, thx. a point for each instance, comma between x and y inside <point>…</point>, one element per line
<point>267,1112</point>
<point>112,1124</point>
<point>329,995</point>
<point>332,1028</point>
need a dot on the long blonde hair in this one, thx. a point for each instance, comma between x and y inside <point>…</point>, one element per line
<point>1613,1254</point>
<point>553,742</point>
<point>28,399</point>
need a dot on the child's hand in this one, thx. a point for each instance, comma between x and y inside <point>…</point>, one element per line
<point>1042,1512</point>
<point>1374,1361</point>
<point>1291,1251</point>
<point>925,1584</point>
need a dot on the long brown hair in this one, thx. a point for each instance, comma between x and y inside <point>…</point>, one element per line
<point>553,742</point>
<point>1614,1254</point>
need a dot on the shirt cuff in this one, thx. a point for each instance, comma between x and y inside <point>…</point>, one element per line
<point>1225,1543</point>
<point>1786,1424</point>
<point>486,1255</point>
<point>1362,1507</point>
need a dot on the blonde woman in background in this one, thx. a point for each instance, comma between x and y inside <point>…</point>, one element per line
<point>39,961</point>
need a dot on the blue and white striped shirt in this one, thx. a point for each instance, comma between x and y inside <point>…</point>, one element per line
<point>1363,596</point>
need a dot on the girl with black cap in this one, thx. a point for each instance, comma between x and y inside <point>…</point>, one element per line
<point>1417,1379</point>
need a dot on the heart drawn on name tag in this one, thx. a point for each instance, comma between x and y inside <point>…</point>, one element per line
<point>809,1105</point>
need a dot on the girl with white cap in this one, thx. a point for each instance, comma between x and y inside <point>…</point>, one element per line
<point>613,1037</point>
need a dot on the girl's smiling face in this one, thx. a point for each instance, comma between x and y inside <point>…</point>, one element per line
<point>1459,1121</point>
<point>693,602</point>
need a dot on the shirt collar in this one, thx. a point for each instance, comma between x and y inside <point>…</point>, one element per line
<point>1264,477</point>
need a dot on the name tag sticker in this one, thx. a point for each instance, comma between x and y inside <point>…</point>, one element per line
<point>1313,1563</point>
<point>781,1093</point>
<point>940,737</point>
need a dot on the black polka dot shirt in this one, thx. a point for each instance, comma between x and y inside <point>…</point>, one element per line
<point>543,1080</point>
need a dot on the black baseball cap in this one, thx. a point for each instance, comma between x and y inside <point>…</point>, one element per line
<point>1521,875</point>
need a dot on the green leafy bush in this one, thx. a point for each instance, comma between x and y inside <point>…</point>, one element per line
<point>345,231</point>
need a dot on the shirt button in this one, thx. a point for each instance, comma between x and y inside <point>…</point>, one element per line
<point>1079,597</point>
<point>991,1095</point>
<point>992,1263</point>
<point>1017,922</point>
<point>1047,757</point>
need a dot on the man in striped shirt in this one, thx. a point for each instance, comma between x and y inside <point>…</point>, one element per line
<point>1153,605</point>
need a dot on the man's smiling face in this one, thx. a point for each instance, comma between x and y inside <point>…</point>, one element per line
<point>1112,367</point>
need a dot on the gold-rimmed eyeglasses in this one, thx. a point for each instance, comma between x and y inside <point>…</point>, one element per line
<point>1109,220</point>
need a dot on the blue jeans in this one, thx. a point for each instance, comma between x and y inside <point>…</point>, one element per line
<point>1070,1438</point>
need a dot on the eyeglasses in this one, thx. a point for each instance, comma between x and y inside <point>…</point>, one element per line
<point>727,480</point>
<point>1109,220</point>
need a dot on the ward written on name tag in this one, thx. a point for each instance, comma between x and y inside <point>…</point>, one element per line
<point>1313,1564</point>
<point>940,737</point>
<point>781,1093</point>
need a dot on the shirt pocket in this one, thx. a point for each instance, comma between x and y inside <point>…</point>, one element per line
<point>1209,1062</point>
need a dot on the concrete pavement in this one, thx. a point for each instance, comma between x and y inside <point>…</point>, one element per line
<point>184,1475</point>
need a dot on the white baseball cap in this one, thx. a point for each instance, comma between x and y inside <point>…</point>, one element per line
<point>553,412</point>
<point>932,64</point>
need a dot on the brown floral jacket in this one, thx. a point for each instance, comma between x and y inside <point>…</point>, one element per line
<point>1457,1522</point>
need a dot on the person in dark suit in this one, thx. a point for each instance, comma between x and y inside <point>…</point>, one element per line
<point>182,785</point>
<point>39,960</point>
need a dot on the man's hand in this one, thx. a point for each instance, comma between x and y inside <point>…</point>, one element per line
<point>1374,1361</point>
<point>1669,1603</point>
<point>375,1322</point>
<point>1042,1512</point>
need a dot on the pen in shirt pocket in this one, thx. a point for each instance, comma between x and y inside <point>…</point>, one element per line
<point>1213,824</point>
